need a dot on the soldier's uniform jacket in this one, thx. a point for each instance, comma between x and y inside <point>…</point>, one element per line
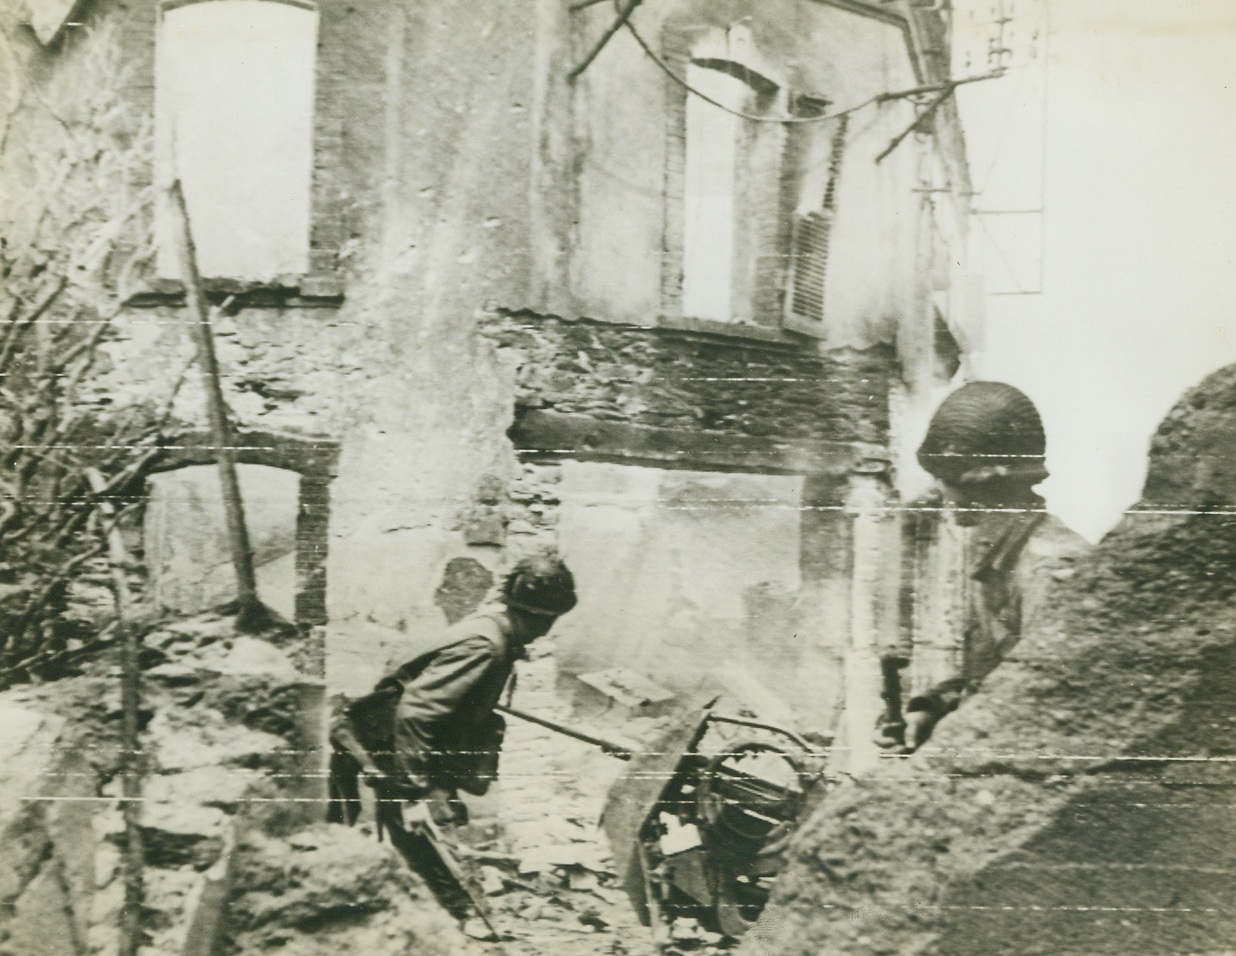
<point>432,722</point>
<point>1016,557</point>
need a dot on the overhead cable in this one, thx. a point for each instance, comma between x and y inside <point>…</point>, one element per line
<point>665,67</point>
<point>624,16</point>
<point>944,88</point>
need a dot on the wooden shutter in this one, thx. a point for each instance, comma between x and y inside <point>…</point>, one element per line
<point>809,249</point>
<point>809,266</point>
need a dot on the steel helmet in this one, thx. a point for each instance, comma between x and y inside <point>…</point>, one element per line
<point>983,430</point>
<point>540,584</point>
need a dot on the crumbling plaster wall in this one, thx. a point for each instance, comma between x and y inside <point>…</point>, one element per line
<point>422,152</point>
<point>433,102</point>
<point>610,242</point>
<point>735,581</point>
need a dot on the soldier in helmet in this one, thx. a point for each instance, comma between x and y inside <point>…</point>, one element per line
<point>986,447</point>
<point>430,727</point>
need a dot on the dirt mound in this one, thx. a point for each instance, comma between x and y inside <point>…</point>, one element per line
<point>1077,804</point>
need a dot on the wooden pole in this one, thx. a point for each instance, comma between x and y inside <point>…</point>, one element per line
<point>252,614</point>
<point>130,753</point>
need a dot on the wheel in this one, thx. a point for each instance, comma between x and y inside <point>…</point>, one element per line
<point>740,900</point>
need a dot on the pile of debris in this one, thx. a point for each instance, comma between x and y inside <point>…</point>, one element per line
<point>233,780</point>
<point>1073,805</point>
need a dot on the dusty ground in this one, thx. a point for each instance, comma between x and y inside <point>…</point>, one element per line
<point>1082,803</point>
<point>544,862</point>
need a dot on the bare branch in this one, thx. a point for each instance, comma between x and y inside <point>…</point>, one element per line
<point>14,329</point>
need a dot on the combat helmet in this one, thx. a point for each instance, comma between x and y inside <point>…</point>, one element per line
<point>985,430</point>
<point>540,584</point>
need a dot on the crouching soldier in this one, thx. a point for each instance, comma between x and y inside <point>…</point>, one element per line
<point>986,447</point>
<point>429,730</point>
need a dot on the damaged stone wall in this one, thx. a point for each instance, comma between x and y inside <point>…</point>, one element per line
<point>421,333</point>
<point>419,193</point>
<point>670,379</point>
<point>1080,803</point>
<point>686,575</point>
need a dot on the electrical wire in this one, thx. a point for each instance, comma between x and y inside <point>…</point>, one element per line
<point>665,68</point>
<point>945,88</point>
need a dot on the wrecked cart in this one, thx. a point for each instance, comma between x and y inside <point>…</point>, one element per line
<point>699,824</point>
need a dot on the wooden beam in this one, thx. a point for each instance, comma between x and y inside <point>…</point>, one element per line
<point>130,701</point>
<point>312,457</point>
<point>544,435</point>
<point>252,615</point>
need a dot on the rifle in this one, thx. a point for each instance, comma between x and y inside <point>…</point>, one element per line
<point>608,746</point>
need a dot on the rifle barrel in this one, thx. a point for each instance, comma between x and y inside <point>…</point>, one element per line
<point>622,753</point>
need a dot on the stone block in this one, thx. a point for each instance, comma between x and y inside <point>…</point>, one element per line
<point>207,906</point>
<point>41,920</point>
<point>182,834</point>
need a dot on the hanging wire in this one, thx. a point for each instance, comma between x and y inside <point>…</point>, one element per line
<point>665,68</point>
<point>945,89</point>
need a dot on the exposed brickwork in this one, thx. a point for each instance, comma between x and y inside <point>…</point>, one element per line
<point>312,538</point>
<point>672,379</point>
<point>328,229</point>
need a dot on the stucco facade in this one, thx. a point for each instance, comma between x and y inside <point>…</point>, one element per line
<point>493,344</point>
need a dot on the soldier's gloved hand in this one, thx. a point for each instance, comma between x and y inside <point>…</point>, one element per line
<point>890,735</point>
<point>445,807</point>
<point>394,787</point>
<point>919,725</point>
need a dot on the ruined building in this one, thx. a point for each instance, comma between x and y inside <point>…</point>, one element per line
<point>484,293</point>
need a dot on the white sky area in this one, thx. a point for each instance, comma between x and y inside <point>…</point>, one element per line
<point>1138,286</point>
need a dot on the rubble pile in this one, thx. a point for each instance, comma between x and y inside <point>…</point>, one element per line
<point>1076,805</point>
<point>231,733</point>
<point>539,855</point>
<point>324,889</point>
<point>551,887</point>
<point>540,861</point>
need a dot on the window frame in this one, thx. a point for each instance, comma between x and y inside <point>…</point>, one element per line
<point>771,233</point>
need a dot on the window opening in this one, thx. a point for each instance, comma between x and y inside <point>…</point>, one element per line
<point>721,154</point>
<point>234,91</point>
